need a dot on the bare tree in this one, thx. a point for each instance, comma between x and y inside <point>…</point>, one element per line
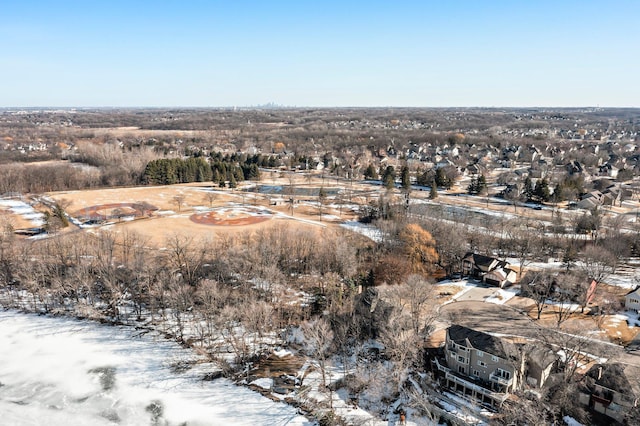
<point>417,298</point>
<point>322,199</point>
<point>539,287</point>
<point>420,248</point>
<point>524,410</point>
<point>318,338</point>
<point>597,263</point>
<point>179,200</point>
<point>211,196</point>
<point>401,345</point>
<point>186,256</point>
<point>525,239</point>
<point>574,345</point>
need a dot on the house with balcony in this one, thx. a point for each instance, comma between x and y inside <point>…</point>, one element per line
<point>611,389</point>
<point>486,368</point>
<point>479,365</point>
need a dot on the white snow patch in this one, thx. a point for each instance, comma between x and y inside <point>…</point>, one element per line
<point>281,353</point>
<point>368,231</point>
<point>501,296</point>
<point>53,372</point>
<point>570,421</point>
<point>23,209</point>
<point>263,382</point>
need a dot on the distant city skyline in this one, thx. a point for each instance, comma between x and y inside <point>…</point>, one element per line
<point>320,54</point>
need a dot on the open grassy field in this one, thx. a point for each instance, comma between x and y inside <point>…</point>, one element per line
<point>196,210</point>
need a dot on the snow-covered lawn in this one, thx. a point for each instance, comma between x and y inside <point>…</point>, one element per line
<point>628,317</point>
<point>61,371</point>
<point>368,231</point>
<point>624,278</point>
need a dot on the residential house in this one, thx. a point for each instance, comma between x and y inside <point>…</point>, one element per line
<point>615,194</point>
<point>591,200</point>
<point>574,167</point>
<point>539,363</point>
<point>632,300</point>
<point>479,365</point>
<point>473,169</point>
<point>610,389</point>
<point>488,269</point>
<point>608,170</point>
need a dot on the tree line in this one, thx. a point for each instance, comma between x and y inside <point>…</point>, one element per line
<point>221,170</point>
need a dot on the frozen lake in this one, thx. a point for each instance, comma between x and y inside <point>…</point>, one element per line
<point>59,371</point>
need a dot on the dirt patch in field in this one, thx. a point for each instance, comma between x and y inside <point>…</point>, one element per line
<point>115,211</point>
<point>232,217</point>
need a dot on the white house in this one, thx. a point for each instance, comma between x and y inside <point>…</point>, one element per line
<point>632,300</point>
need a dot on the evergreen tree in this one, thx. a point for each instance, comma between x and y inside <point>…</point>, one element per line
<point>527,191</point>
<point>482,185</point>
<point>425,178</point>
<point>541,191</point>
<point>405,178</point>
<point>238,174</point>
<point>389,177</point>
<point>433,192</point>
<point>370,173</point>
<point>472,189</point>
<point>559,193</point>
<point>442,179</point>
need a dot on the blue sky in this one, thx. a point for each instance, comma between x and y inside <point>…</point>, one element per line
<point>320,53</point>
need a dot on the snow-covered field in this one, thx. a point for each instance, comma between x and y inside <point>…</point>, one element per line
<point>23,209</point>
<point>60,371</point>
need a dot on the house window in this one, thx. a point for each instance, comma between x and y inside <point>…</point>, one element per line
<point>480,354</point>
<point>481,363</point>
<point>502,373</point>
<point>462,359</point>
<point>494,358</point>
<point>476,373</point>
<point>461,369</point>
<point>636,301</point>
<point>463,348</point>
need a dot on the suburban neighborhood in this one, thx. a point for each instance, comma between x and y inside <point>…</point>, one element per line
<point>431,266</point>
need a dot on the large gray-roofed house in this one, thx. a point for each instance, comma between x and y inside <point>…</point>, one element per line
<point>480,365</point>
<point>478,340</point>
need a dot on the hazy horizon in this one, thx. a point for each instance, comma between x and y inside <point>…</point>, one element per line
<point>356,54</point>
<point>276,106</point>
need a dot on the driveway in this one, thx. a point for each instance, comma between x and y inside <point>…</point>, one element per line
<point>476,294</point>
<point>487,317</point>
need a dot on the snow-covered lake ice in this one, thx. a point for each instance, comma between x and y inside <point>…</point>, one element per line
<point>60,371</point>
